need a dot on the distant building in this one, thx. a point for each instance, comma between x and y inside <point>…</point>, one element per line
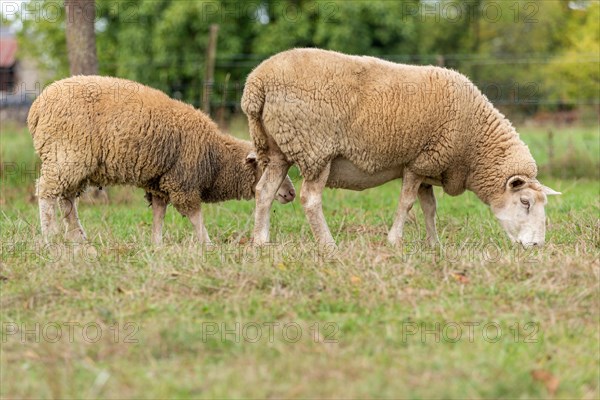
<point>8,62</point>
<point>20,80</point>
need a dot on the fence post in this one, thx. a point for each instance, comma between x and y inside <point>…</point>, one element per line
<point>550,147</point>
<point>209,72</point>
<point>221,111</point>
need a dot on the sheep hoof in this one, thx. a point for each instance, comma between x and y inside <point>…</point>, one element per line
<point>328,250</point>
<point>76,236</point>
<point>433,242</point>
<point>259,240</point>
<point>395,240</point>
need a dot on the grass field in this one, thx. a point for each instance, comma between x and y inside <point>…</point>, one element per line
<point>477,318</point>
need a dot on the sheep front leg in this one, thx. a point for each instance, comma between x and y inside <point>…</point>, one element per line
<point>196,219</point>
<point>159,208</point>
<point>311,197</point>
<point>267,187</point>
<point>428,205</point>
<point>408,196</point>
<point>75,231</point>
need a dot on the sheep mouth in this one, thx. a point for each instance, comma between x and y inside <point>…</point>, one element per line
<point>284,199</point>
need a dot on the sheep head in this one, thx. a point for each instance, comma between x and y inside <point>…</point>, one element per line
<point>286,192</point>
<point>520,210</point>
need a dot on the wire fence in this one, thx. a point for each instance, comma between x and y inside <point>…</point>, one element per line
<point>515,82</point>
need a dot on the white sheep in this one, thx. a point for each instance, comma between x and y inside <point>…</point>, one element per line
<point>357,122</point>
<point>101,131</point>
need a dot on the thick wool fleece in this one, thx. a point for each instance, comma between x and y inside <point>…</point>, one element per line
<point>318,105</point>
<point>91,130</point>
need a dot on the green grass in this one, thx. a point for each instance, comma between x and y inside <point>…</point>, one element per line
<point>373,305</point>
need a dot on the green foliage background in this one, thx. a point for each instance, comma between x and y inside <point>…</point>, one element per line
<point>529,53</point>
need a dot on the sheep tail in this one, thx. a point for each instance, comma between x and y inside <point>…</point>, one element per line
<point>33,118</point>
<point>253,102</point>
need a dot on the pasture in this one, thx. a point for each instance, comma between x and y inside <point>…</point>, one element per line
<point>475,318</point>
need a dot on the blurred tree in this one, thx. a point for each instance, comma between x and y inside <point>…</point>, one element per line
<point>355,27</point>
<point>573,75</point>
<point>43,37</point>
<point>163,43</point>
<point>81,36</point>
<point>374,28</point>
<point>81,49</point>
<point>501,44</point>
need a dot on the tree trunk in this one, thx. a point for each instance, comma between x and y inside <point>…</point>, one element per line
<point>81,50</point>
<point>81,37</point>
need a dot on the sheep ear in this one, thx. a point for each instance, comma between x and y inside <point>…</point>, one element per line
<point>516,182</point>
<point>549,192</point>
<point>251,158</point>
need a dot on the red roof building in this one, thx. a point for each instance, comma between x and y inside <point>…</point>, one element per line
<point>8,62</point>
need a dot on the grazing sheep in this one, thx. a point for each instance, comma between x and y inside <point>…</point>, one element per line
<point>357,122</point>
<point>92,130</point>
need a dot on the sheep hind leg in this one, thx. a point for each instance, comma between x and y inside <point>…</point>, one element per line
<point>195,217</point>
<point>311,195</point>
<point>68,207</point>
<point>428,205</point>
<point>410,188</point>
<point>47,207</point>
<point>48,223</point>
<point>267,187</point>
<point>159,208</point>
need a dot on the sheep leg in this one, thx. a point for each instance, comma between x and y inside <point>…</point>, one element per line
<point>408,196</point>
<point>196,219</point>
<point>48,218</point>
<point>267,187</point>
<point>159,208</point>
<point>311,198</point>
<point>428,205</point>
<point>75,232</point>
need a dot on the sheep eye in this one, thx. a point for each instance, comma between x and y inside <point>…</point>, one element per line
<point>525,202</point>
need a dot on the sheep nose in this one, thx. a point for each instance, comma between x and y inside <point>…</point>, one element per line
<point>292,194</point>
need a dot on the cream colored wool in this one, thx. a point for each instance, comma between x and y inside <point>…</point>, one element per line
<point>319,105</point>
<point>91,130</point>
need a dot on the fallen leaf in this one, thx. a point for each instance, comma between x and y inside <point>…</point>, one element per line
<point>31,354</point>
<point>355,279</point>
<point>461,277</point>
<point>550,381</point>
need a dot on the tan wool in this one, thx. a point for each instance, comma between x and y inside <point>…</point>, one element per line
<point>319,105</point>
<point>91,130</point>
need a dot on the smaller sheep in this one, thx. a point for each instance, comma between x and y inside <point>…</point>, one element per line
<point>101,131</point>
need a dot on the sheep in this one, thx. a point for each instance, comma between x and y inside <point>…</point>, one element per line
<point>357,122</point>
<point>101,131</point>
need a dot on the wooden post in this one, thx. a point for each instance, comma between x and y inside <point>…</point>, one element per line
<point>221,111</point>
<point>550,147</point>
<point>209,72</point>
<point>440,60</point>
